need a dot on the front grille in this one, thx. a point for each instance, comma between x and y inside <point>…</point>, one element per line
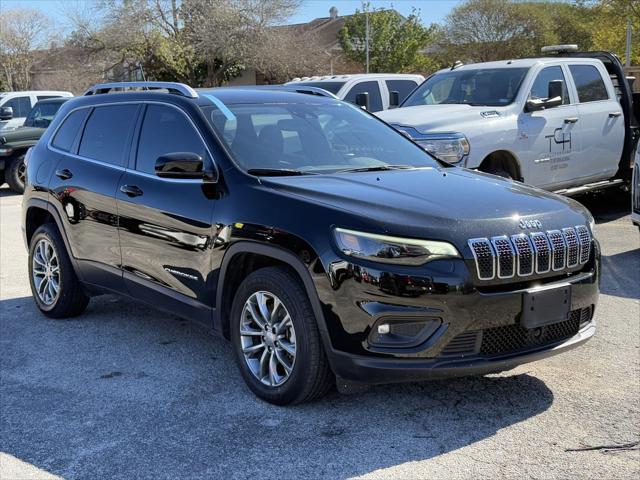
<point>463,344</point>
<point>513,338</point>
<point>522,255</point>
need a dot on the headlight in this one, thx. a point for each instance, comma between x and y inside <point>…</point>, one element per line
<point>449,147</point>
<point>386,249</point>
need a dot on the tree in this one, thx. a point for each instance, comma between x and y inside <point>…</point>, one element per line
<point>396,44</point>
<point>609,31</point>
<point>22,31</point>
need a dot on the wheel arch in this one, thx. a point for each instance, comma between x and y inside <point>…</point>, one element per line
<point>244,257</point>
<point>505,159</point>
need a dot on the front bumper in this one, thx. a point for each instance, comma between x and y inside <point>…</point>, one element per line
<point>369,370</point>
<point>458,317</point>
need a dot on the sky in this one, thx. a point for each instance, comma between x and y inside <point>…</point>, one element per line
<point>432,11</point>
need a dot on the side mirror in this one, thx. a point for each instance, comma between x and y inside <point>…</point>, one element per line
<point>394,99</point>
<point>182,165</point>
<point>362,100</point>
<point>556,89</point>
<point>6,113</point>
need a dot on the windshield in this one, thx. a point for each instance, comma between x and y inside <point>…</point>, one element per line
<point>42,114</point>
<point>311,138</point>
<point>486,87</point>
<point>333,87</point>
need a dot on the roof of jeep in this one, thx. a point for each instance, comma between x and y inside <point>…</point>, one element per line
<point>256,95</point>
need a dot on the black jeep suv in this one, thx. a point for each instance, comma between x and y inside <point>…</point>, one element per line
<point>318,240</point>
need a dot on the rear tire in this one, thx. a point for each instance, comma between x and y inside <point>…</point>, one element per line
<point>292,348</point>
<point>15,174</point>
<point>54,284</point>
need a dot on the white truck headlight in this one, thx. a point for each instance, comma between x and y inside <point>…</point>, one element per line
<point>449,147</point>
<point>387,249</point>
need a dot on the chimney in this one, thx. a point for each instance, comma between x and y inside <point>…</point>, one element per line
<point>333,13</point>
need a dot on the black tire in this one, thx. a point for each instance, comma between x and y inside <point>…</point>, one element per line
<point>502,173</point>
<point>311,375</point>
<point>14,174</point>
<point>71,299</point>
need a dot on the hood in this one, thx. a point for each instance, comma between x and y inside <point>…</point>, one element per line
<point>21,134</point>
<point>451,204</point>
<point>441,118</point>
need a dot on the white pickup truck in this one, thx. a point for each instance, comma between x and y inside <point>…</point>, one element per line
<point>565,122</point>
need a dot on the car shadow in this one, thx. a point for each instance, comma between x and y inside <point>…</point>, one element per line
<point>623,274</point>
<point>130,392</point>
<point>608,205</point>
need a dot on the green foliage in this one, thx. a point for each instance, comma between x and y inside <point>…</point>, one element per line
<point>485,30</point>
<point>396,44</point>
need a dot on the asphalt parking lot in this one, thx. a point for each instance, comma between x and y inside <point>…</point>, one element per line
<point>125,391</point>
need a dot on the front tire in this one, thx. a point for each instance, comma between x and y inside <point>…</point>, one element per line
<point>14,174</point>
<point>276,340</point>
<point>54,284</point>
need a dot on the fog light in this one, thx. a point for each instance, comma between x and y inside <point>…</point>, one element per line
<point>383,329</point>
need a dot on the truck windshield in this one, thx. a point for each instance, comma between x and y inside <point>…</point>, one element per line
<point>42,114</point>
<point>484,87</point>
<point>308,138</point>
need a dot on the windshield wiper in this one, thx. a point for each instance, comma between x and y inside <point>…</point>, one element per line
<point>377,168</point>
<point>277,172</point>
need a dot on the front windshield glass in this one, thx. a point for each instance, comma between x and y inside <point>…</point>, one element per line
<point>484,87</point>
<point>324,137</point>
<point>41,115</point>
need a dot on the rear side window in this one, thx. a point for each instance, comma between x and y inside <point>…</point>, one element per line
<point>372,88</point>
<point>403,87</point>
<point>20,106</point>
<point>45,97</point>
<point>166,130</point>
<point>66,134</point>
<point>106,133</point>
<point>589,83</point>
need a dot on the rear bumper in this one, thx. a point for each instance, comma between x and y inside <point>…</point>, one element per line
<point>371,370</point>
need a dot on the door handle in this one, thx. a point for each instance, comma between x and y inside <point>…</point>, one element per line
<point>64,174</point>
<point>571,120</point>
<point>131,190</point>
<point>614,114</point>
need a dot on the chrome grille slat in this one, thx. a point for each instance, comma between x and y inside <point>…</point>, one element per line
<point>584,238</point>
<point>506,256</point>
<point>573,247</point>
<point>484,256</point>
<point>524,254</point>
<point>543,252</point>
<point>558,250</point>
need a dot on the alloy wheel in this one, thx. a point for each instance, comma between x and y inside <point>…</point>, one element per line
<point>268,338</point>
<point>45,269</point>
<point>22,172</point>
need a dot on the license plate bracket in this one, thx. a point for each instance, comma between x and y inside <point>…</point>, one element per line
<point>545,307</point>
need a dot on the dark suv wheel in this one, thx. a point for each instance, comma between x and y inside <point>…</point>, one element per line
<point>276,339</point>
<point>54,284</point>
<point>15,174</point>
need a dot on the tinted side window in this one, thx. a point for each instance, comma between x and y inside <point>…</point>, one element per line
<point>44,97</point>
<point>375,99</point>
<point>540,88</point>
<point>403,87</point>
<point>166,130</point>
<point>20,105</point>
<point>106,133</point>
<point>66,134</point>
<point>589,83</point>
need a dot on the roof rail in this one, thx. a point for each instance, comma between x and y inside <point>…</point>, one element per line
<point>292,87</point>
<point>172,87</point>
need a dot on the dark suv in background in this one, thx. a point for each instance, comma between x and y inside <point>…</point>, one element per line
<point>317,239</point>
<point>15,143</point>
